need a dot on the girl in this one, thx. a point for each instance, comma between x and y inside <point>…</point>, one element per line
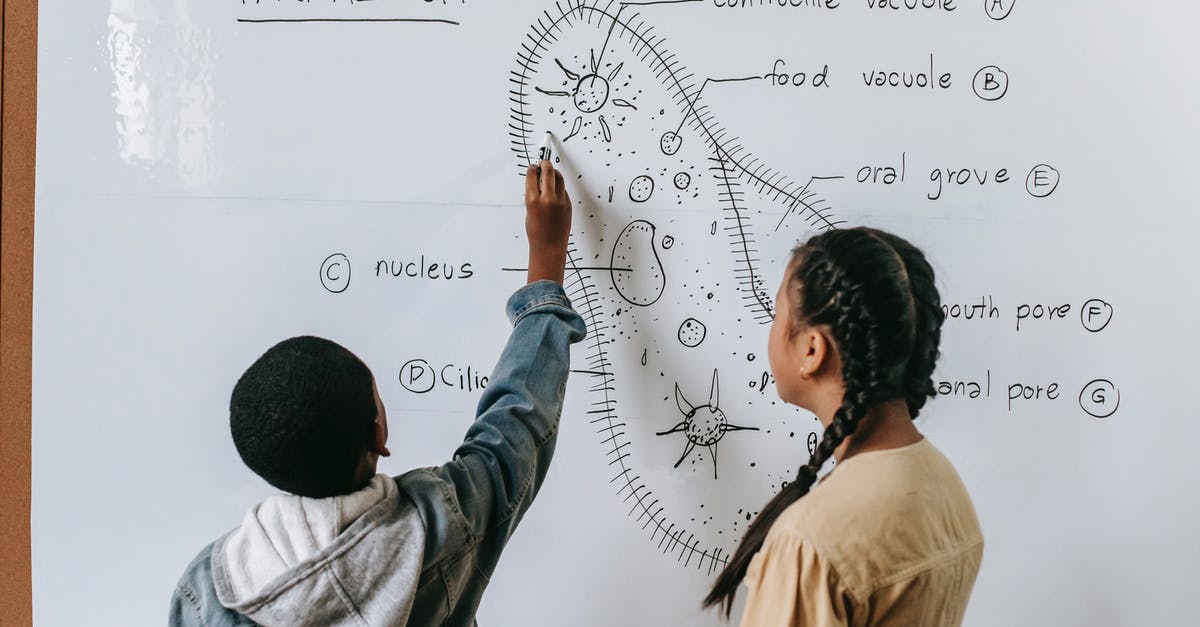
<point>890,536</point>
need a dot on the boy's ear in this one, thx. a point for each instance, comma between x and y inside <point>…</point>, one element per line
<point>380,437</point>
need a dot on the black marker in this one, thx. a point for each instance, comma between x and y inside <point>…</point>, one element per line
<point>544,150</point>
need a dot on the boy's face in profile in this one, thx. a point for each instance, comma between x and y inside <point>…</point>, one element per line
<point>381,431</point>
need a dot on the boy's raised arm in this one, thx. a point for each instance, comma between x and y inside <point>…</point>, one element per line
<point>497,470</point>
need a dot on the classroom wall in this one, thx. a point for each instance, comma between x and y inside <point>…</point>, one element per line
<point>214,177</point>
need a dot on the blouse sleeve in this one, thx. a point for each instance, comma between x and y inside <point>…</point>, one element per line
<point>790,585</point>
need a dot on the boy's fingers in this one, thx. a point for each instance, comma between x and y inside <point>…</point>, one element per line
<point>560,184</point>
<point>531,182</point>
<point>548,186</point>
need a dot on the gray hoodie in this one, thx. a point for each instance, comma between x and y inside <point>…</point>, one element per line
<point>415,550</point>
<point>348,560</point>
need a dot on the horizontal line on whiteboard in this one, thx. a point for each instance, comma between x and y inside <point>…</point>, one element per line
<point>650,2</point>
<point>245,20</point>
<point>573,268</point>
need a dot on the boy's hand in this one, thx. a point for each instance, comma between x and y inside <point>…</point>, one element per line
<point>547,222</point>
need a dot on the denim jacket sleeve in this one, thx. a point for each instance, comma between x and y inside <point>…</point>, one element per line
<point>195,603</point>
<point>476,500</point>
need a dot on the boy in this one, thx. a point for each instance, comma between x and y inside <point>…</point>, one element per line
<point>347,546</point>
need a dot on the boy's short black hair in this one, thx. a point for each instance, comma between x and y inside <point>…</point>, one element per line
<point>303,414</point>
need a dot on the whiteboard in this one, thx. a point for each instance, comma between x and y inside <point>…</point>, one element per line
<point>216,176</point>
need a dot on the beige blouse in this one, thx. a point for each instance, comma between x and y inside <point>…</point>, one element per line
<point>887,538</point>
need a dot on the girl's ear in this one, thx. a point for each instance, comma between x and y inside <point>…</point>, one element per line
<point>812,352</point>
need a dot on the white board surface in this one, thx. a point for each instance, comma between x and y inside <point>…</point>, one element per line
<point>216,176</point>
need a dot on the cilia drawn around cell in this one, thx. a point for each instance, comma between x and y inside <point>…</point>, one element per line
<point>601,76</point>
<point>703,426</point>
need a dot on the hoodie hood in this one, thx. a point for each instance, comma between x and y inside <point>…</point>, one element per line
<point>353,559</point>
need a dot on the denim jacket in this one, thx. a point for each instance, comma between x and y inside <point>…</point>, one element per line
<point>424,550</point>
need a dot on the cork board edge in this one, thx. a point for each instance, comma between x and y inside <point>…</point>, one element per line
<point>18,142</point>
